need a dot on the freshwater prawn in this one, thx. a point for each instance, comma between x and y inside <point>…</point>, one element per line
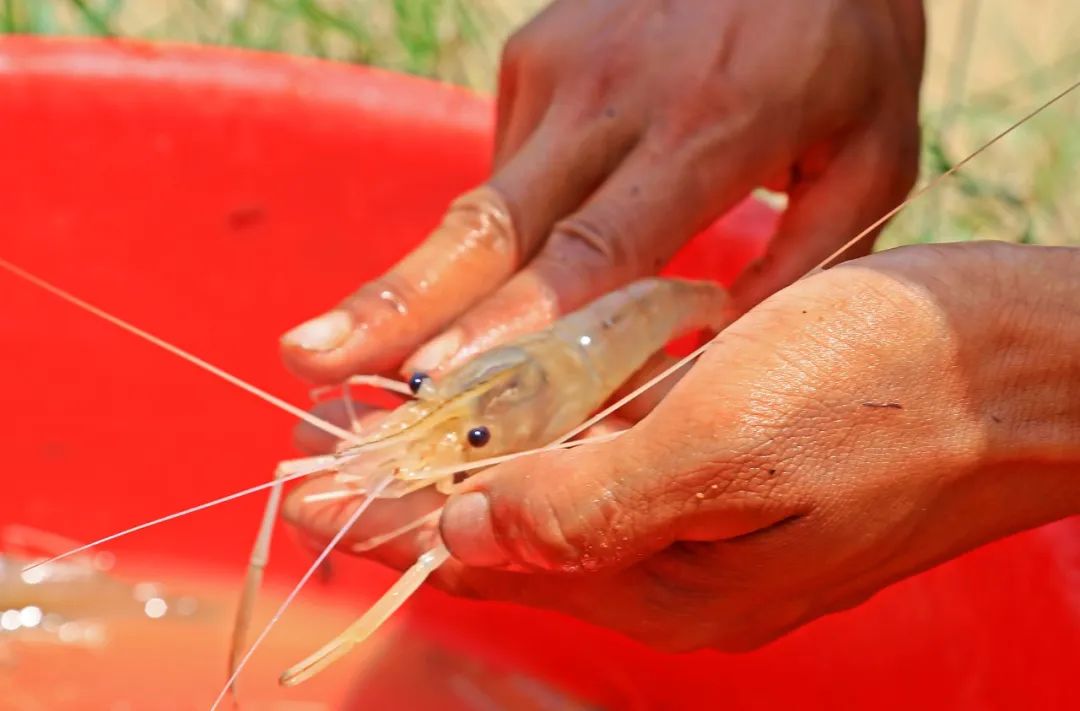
<point>504,403</point>
<point>526,394</point>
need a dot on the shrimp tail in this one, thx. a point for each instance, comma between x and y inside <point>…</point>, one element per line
<point>374,618</point>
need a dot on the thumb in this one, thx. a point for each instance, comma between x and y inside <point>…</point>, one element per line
<point>603,506</point>
<point>554,511</point>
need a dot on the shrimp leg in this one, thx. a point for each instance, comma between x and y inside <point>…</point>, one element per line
<point>376,541</point>
<point>260,553</point>
<point>363,628</point>
<point>375,381</point>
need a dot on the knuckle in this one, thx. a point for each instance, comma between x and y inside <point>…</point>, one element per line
<point>556,527</point>
<point>555,541</point>
<point>582,243</point>
<point>387,295</point>
<point>611,72</point>
<point>481,218</point>
<point>704,128</point>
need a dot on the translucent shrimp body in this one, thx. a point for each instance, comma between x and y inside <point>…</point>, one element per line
<point>516,397</point>
<point>533,390</point>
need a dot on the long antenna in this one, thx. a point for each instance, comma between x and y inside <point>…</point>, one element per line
<point>181,353</point>
<point>933,183</point>
<point>317,464</point>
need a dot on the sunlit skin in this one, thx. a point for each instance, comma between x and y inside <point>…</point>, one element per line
<point>850,429</point>
<point>625,127</point>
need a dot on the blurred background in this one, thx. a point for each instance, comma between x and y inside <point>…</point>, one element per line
<point>989,62</point>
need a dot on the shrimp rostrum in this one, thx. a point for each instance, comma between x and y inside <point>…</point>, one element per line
<point>532,392</point>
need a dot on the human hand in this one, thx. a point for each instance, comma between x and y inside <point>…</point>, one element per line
<point>623,129</point>
<point>857,427</point>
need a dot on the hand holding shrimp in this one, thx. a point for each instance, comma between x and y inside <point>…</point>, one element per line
<point>623,129</point>
<point>638,177</point>
<point>860,426</point>
<point>532,392</point>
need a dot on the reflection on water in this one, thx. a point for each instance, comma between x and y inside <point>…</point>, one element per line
<point>79,635</point>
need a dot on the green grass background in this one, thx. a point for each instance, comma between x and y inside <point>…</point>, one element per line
<point>989,63</point>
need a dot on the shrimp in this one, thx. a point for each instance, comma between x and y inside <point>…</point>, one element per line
<point>498,379</point>
<point>520,396</point>
<point>479,382</point>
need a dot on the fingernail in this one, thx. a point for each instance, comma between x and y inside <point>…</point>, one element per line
<point>469,533</point>
<point>435,352</point>
<point>323,333</point>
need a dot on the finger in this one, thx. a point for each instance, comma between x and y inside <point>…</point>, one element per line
<point>319,506</point>
<point>313,507</point>
<point>485,235</point>
<point>866,178</point>
<point>637,602</point>
<point>524,96</point>
<point>610,505</point>
<point>634,602</point>
<point>629,228</point>
<point>374,327</point>
<point>312,440</point>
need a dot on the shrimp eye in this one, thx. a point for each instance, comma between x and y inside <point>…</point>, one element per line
<point>479,436</point>
<point>417,381</point>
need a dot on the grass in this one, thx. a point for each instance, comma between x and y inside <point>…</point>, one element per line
<point>989,62</point>
<point>453,40</point>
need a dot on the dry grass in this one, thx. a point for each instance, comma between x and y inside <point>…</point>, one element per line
<point>989,62</point>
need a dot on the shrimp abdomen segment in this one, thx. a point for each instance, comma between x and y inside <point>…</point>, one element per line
<point>619,332</point>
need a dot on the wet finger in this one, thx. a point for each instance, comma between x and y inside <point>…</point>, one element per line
<point>629,228</point>
<point>320,506</point>
<point>484,237</point>
<point>374,327</point>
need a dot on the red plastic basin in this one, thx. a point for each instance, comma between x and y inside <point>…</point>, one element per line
<point>217,198</point>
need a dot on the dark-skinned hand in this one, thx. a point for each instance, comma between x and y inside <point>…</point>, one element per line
<point>625,127</point>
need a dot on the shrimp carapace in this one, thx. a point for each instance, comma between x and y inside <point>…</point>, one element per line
<point>519,396</point>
